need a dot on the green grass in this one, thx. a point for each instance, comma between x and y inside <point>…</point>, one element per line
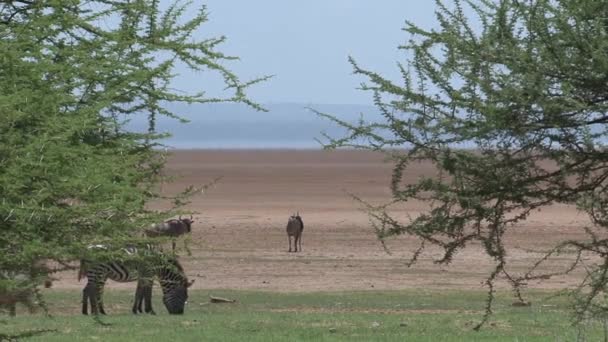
<point>351,316</point>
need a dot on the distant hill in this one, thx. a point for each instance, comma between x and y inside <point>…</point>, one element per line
<point>224,125</point>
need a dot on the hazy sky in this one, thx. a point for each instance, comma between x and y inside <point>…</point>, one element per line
<point>306,45</point>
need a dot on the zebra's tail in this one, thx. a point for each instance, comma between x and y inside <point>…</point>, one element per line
<point>81,271</point>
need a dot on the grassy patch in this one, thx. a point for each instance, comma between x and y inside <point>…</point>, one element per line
<point>349,316</point>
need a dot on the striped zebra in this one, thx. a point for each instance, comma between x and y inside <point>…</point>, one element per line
<point>141,266</point>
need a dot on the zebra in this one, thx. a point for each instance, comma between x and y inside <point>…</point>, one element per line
<point>141,266</point>
<point>143,293</point>
<point>295,227</point>
<point>173,228</point>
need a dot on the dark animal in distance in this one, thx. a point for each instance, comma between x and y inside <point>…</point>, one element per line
<point>25,295</point>
<point>295,227</point>
<point>9,299</point>
<point>171,228</point>
<point>28,293</point>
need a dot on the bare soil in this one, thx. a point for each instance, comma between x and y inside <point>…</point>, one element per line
<point>239,239</point>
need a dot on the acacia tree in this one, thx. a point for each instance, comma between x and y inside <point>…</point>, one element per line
<point>510,105</point>
<point>71,73</point>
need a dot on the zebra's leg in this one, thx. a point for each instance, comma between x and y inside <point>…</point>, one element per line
<point>99,297</point>
<point>12,309</point>
<point>86,296</point>
<point>94,300</point>
<point>91,295</point>
<point>148,298</point>
<point>173,245</point>
<point>289,240</point>
<point>139,295</point>
<point>144,289</point>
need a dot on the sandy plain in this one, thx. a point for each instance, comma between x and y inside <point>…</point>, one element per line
<point>239,239</point>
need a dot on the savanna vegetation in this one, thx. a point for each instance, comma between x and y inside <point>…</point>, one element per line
<point>508,99</point>
<point>412,315</point>
<point>71,74</point>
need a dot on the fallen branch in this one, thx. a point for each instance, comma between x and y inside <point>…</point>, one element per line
<point>214,299</point>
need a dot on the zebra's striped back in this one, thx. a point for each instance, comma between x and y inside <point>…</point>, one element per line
<point>114,270</point>
<point>120,271</point>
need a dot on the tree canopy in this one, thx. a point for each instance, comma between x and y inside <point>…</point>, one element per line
<point>71,73</point>
<point>509,101</point>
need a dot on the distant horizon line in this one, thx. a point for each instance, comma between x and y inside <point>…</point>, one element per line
<point>304,104</point>
<point>261,149</point>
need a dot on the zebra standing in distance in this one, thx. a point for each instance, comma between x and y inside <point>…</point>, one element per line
<point>142,266</point>
<point>295,227</point>
<point>172,228</point>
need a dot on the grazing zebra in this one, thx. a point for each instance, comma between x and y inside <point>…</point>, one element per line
<point>295,227</point>
<point>150,264</point>
<point>173,228</point>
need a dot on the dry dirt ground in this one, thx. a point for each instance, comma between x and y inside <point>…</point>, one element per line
<point>239,239</point>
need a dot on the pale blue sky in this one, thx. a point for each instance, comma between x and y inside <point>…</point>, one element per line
<point>306,45</point>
